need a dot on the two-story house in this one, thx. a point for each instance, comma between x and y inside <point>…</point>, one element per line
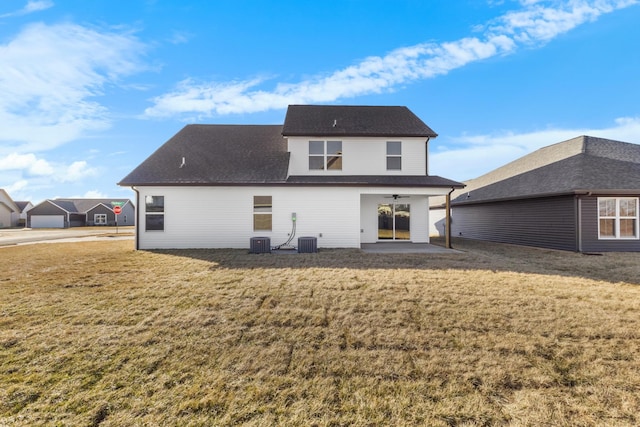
<point>346,175</point>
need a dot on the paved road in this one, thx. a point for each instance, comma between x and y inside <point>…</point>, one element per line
<point>22,236</point>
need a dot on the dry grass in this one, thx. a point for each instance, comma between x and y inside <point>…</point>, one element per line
<point>95,333</point>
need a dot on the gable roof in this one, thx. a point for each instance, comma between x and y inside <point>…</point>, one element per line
<point>579,165</point>
<point>216,154</point>
<point>7,201</point>
<point>83,205</point>
<point>258,154</point>
<point>345,120</point>
<point>22,205</point>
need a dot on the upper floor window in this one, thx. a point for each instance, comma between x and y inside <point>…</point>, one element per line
<point>325,155</point>
<point>394,155</point>
<point>154,213</point>
<point>618,218</point>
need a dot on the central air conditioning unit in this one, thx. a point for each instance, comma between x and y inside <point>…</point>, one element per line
<point>307,245</point>
<point>260,245</point>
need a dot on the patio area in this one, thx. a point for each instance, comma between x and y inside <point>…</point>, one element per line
<point>405,248</point>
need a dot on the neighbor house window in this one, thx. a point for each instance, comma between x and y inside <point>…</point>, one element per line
<point>154,208</point>
<point>262,213</point>
<point>325,155</point>
<point>100,219</point>
<point>394,155</point>
<point>618,218</point>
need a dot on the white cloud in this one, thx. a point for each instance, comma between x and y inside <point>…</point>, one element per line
<point>30,7</point>
<point>180,37</point>
<point>77,171</point>
<point>533,25</point>
<point>37,5</point>
<point>94,194</point>
<point>20,166</point>
<point>50,77</point>
<point>479,154</point>
<point>28,162</point>
<point>16,187</point>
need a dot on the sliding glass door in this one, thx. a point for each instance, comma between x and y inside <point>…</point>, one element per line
<point>393,221</point>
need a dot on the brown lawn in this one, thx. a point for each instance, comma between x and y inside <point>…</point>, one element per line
<point>95,333</point>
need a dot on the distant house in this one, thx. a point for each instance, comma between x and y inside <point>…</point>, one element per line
<point>9,211</point>
<point>24,207</point>
<point>578,195</point>
<point>344,175</point>
<point>65,213</point>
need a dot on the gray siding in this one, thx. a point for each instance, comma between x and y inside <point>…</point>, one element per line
<point>589,237</point>
<point>126,217</point>
<point>46,208</point>
<point>77,219</point>
<point>543,222</point>
<point>101,209</point>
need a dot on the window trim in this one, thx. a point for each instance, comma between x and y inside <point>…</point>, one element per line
<point>327,158</point>
<point>394,156</point>
<point>151,213</point>
<point>616,217</point>
<point>101,215</point>
<point>257,206</point>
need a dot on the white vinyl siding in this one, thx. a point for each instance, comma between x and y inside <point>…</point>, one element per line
<point>222,217</point>
<point>419,217</point>
<point>361,156</point>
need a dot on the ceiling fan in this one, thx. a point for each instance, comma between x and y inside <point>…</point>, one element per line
<point>396,197</point>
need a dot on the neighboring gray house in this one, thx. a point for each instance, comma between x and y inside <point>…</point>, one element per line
<point>65,213</point>
<point>578,195</point>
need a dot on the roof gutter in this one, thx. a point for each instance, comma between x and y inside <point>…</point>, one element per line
<point>135,190</point>
<point>426,151</point>
<point>448,220</point>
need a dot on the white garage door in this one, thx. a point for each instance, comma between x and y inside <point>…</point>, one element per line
<point>47,221</point>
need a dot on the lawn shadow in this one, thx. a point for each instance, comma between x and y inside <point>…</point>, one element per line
<point>471,255</point>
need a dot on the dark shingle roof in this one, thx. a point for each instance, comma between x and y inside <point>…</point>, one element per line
<point>258,154</point>
<point>375,180</point>
<point>84,205</point>
<point>580,164</point>
<point>21,205</point>
<point>319,120</point>
<point>216,154</point>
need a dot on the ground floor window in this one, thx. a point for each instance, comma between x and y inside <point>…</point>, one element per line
<point>154,213</point>
<point>262,219</point>
<point>100,219</point>
<point>618,217</point>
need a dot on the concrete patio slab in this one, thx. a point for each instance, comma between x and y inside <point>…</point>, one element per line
<point>405,248</point>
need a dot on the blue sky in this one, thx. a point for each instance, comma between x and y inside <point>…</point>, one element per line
<point>89,89</point>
